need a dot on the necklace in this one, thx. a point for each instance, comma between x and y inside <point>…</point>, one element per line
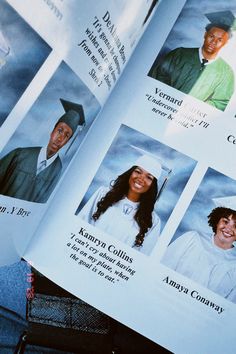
<point>128,208</point>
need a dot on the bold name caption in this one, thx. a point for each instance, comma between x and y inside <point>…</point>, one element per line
<point>194,294</point>
<point>167,107</point>
<point>14,211</point>
<point>103,46</point>
<point>106,261</point>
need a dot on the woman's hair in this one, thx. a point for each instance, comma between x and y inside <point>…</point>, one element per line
<point>218,213</point>
<point>143,215</point>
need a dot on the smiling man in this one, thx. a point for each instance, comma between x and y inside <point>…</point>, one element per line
<point>201,72</point>
<point>32,173</point>
<point>207,259</point>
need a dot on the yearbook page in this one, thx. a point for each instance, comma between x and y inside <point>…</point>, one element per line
<point>59,62</point>
<point>144,228</point>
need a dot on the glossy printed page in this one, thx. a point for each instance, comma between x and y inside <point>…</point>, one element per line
<point>147,222</point>
<point>95,38</point>
<point>65,57</point>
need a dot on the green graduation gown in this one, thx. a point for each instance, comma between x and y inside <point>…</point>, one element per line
<point>181,69</point>
<point>18,177</point>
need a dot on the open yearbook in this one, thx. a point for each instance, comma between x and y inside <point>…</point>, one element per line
<point>117,172</point>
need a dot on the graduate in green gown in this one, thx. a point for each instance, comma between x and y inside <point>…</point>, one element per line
<point>32,173</point>
<point>200,72</point>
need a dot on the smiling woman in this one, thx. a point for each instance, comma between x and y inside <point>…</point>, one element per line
<point>223,222</point>
<point>209,260</point>
<point>126,209</point>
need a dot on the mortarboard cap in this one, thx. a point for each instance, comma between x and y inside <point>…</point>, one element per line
<point>222,19</point>
<point>226,202</point>
<point>149,164</point>
<point>74,115</point>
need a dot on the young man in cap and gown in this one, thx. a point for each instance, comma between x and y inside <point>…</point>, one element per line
<point>201,72</point>
<point>210,260</point>
<point>32,173</point>
<point>116,210</point>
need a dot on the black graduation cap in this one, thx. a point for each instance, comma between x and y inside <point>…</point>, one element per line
<point>74,115</point>
<point>222,19</point>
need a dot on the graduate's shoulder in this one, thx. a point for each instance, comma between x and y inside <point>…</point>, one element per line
<point>23,151</point>
<point>184,51</point>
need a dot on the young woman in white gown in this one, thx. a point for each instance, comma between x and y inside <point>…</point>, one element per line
<point>125,210</point>
<point>208,259</point>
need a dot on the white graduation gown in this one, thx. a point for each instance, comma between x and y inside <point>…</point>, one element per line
<point>118,221</point>
<point>197,257</point>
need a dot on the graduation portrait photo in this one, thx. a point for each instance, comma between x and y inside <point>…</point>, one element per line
<point>196,58</point>
<point>135,189</point>
<point>41,148</point>
<point>22,53</point>
<point>203,248</point>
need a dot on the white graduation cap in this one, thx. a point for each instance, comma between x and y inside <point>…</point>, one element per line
<point>154,165</point>
<point>226,202</point>
<point>148,162</point>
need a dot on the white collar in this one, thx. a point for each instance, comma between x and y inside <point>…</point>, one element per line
<point>43,158</point>
<point>129,207</point>
<point>209,61</point>
<point>222,250</point>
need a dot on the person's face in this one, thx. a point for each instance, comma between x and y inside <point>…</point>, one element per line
<point>140,181</point>
<point>225,232</point>
<point>58,138</point>
<point>214,40</point>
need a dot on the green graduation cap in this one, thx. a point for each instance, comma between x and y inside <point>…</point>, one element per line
<point>222,19</point>
<point>74,115</point>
